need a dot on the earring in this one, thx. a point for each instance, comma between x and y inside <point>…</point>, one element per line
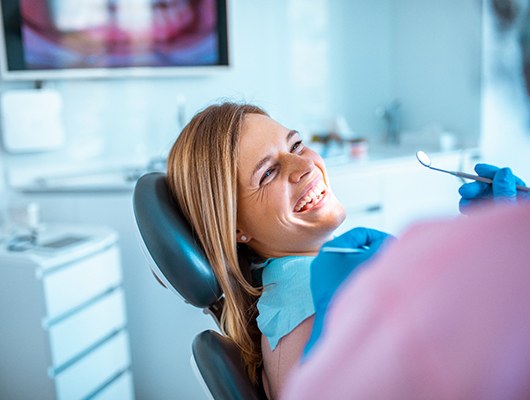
<point>243,238</point>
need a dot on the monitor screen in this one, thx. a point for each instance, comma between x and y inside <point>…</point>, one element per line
<point>46,39</point>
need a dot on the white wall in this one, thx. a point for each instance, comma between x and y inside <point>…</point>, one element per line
<point>361,54</point>
<point>436,64</point>
<point>426,54</point>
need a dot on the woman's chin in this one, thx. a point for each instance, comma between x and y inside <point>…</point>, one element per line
<point>337,213</point>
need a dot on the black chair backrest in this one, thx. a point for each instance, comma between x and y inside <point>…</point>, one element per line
<point>216,358</point>
<point>180,264</point>
<point>178,260</point>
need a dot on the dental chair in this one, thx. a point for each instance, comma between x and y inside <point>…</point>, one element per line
<point>180,265</point>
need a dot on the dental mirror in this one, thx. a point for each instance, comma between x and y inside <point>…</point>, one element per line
<point>425,160</point>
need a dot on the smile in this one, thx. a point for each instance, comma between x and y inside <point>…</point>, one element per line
<point>311,198</point>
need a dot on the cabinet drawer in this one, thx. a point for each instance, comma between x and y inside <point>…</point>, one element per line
<point>75,284</point>
<point>95,369</point>
<point>357,192</point>
<point>72,336</point>
<point>120,389</point>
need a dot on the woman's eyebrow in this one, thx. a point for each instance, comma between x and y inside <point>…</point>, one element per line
<point>265,159</point>
<point>260,165</point>
<point>291,134</point>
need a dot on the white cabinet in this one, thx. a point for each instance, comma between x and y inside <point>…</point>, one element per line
<point>63,332</point>
<point>161,326</point>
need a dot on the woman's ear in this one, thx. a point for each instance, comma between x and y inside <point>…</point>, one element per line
<point>241,237</point>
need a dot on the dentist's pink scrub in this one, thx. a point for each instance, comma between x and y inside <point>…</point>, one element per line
<point>443,314</point>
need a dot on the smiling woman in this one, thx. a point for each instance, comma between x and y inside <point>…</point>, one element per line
<point>258,200</point>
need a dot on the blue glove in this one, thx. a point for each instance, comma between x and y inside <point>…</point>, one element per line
<point>503,188</point>
<point>330,269</point>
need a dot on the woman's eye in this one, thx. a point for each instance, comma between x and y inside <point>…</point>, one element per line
<point>297,147</point>
<point>267,174</point>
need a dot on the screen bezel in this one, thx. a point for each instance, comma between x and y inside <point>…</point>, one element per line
<point>7,74</point>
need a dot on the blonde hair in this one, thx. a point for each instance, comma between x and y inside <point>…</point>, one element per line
<point>202,176</point>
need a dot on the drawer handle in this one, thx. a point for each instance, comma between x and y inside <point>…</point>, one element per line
<point>374,208</point>
<point>368,209</point>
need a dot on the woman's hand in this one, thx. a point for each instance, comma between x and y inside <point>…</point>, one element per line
<point>331,268</point>
<point>502,189</point>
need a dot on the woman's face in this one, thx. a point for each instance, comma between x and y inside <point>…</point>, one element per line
<point>285,205</point>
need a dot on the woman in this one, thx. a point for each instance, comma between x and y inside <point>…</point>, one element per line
<point>256,196</point>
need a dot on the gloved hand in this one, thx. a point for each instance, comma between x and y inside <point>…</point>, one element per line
<point>503,188</point>
<point>330,269</point>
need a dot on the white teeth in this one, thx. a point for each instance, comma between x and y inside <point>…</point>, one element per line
<point>314,196</point>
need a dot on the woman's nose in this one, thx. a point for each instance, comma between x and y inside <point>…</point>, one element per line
<point>299,167</point>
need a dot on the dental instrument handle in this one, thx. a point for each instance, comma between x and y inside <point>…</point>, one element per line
<point>485,180</point>
<point>330,249</point>
<point>471,176</point>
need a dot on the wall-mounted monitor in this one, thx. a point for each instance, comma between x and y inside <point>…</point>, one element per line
<point>57,39</point>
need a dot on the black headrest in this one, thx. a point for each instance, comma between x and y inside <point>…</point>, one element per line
<point>179,261</point>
